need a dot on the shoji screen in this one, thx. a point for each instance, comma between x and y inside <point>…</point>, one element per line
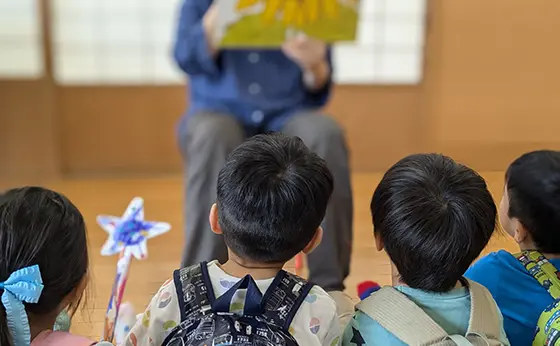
<point>129,42</point>
<point>390,44</point>
<point>114,41</point>
<point>21,55</point>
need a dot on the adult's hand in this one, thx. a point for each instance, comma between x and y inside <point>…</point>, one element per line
<point>311,55</point>
<point>209,23</point>
<point>305,51</point>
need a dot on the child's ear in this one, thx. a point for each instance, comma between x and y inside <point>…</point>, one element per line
<point>315,241</point>
<point>378,242</point>
<point>520,233</point>
<point>213,218</point>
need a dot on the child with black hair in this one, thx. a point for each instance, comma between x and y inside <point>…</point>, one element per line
<point>530,214</point>
<point>272,195</point>
<point>433,217</point>
<point>44,266</point>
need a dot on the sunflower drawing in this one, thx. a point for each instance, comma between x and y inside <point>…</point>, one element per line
<point>293,12</point>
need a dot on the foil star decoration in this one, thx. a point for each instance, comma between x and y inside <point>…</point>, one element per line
<point>130,232</point>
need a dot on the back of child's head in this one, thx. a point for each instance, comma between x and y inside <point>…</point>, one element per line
<point>433,216</point>
<point>272,196</point>
<point>41,227</point>
<point>533,192</point>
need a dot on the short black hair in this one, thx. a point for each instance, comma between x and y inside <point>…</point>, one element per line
<point>533,186</point>
<point>435,216</point>
<point>42,227</point>
<point>272,195</point>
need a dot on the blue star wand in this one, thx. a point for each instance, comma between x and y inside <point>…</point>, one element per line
<point>128,236</point>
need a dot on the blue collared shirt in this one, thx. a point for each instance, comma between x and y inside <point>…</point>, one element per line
<point>261,88</point>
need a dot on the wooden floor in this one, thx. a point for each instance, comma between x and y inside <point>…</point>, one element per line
<point>163,202</point>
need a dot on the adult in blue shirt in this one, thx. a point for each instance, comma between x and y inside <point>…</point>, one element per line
<point>239,93</point>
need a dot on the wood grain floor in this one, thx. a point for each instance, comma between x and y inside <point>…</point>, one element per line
<point>163,202</point>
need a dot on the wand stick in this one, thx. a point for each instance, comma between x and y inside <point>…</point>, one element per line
<point>117,293</point>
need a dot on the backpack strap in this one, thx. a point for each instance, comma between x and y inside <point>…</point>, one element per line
<point>284,297</point>
<point>484,322</point>
<point>460,340</point>
<point>194,286</point>
<point>409,323</point>
<point>400,316</point>
<point>542,270</point>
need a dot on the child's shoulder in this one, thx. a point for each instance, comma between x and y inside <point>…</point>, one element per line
<point>500,257</point>
<point>494,268</point>
<point>499,260</point>
<point>317,304</point>
<point>167,284</point>
<point>167,292</point>
<point>48,338</point>
<point>316,321</point>
<point>319,296</point>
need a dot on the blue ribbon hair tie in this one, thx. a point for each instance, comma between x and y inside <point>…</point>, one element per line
<point>23,285</point>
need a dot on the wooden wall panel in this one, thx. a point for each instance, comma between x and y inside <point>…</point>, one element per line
<point>492,79</point>
<point>120,129</point>
<point>28,143</point>
<point>132,129</point>
<point>382,123</point>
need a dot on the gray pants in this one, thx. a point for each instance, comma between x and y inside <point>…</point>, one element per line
<point>206,142</point>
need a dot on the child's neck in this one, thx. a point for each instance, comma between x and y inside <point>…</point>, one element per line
<point>396,279</point>
<point>38,324</point>
<point>239,267</point>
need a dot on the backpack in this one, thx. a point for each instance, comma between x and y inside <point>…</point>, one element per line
<point>207,320</point>
<point>547,332</point>
<point>410,324</point>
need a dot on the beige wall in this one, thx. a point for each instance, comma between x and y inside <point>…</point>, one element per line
<point>489,93</point>
<point>492,79</point>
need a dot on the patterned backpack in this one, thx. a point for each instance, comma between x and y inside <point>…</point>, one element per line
<point>207,320</point>
<point>548,327</point>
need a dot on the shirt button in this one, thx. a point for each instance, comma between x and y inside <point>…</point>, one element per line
<point>257,116</point>
<point>254,58</point>
<point>254,88</point>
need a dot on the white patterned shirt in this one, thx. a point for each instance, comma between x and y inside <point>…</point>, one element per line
<point>315,323</point>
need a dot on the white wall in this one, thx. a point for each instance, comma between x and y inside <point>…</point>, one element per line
<point>129,42</point>
<point>20,40</point>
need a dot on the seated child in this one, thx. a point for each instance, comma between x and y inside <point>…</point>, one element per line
<point>530,214</point>
<point>41,234</point>
<point>433,217</point>
<point>272,196</point>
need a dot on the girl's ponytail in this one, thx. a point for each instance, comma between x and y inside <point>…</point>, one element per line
<point>5,336</point>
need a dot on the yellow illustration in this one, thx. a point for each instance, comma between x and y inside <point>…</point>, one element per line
<point>266,23</point>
